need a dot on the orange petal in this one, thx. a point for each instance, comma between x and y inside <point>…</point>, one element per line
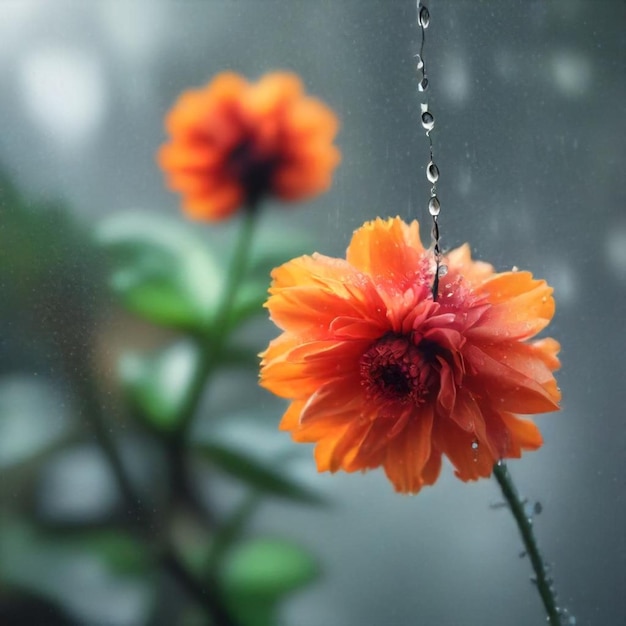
<point>388,250</point>
<point>459,446</point>
<point>459,261</point>
<point>408,453</point>
<point>521,307</point>
<point>506,388</point>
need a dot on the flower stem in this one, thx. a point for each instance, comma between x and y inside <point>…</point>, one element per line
<point>214,342</point>
<point>524,524</point>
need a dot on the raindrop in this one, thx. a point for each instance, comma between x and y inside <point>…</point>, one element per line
<point>428,120</point>
<point>442,271</point>
<point>537,508</point>
<point>420,63</point>
<point>424,17</point>
<point>434,206</point>
<point>423,84</point>
<point>432,172</point>
<point>474,445</point>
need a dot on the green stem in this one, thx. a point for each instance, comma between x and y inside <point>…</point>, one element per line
<point>218,333</point>
<point>524,524</point>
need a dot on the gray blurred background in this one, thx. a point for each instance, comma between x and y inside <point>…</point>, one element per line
<point>528,99</point>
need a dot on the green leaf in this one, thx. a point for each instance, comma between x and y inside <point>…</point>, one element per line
<point>255,473</point>
<point>161,271</point>
<point>158,385</point>
<point>266,569</point>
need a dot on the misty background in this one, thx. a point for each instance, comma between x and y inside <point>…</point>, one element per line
<point>530,121</point>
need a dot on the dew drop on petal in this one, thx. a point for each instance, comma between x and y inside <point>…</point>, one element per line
<point>428,120</point>
<point>474,445</point>
<point>434,206</point>
<point>424,17</point>
<point>432,172</point>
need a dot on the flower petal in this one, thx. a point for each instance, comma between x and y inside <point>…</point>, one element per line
<point>408,453</point>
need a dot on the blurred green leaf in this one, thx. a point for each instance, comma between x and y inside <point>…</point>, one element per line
<point>254,473</point>
<point>162,271</point>
<point>158,385</point>
<point>270,252</point>
<point>122,553</point>
<point>53,564</point>
<point>268,569</point>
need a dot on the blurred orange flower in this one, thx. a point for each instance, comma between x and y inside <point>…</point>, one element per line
<point>233,143</point>
<point>381,374</point>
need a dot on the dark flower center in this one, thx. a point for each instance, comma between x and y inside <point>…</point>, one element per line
<point>253,170</point>
<point>395,369</point>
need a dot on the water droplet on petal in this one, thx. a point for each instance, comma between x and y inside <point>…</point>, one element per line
<point>434,206</point>
<point>423,84</point>
<point>474,445</point>
<point>432,172</point>
<point>428,120</point>
<point>424,17</point>
<point>442,271</point>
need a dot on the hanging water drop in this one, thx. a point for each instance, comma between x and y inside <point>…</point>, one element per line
<point>428,120</point>
<point>434,206</point>
<point>424,17</point>
<point>423,84</point>
<point>432,172</point>
<point>419,61</point>
<point>442,271</point>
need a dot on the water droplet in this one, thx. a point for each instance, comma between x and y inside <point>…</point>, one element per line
<point>474,445</point>
<point>515,268</point>
<point>420,63</point>
<point>424,17</point>
<point>428,120</point>
<point>434,206</point>
<point>537,508</point>
<point>423,84</point>
<point>432,172</point>
<point>442,271</point>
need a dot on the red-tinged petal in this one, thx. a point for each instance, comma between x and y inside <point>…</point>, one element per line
<point>408,453</point>
<point>432,469</point>
<point>471,457</point>
<point>505,388</point>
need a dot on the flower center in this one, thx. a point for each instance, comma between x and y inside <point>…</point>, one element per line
<point>252,169</point>
<point>394,369</point>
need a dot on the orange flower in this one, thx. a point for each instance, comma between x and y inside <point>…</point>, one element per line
<point>233,143</point>
<point>378,373</point>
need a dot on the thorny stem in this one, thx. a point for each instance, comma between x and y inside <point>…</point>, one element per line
<point>524,524</point>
